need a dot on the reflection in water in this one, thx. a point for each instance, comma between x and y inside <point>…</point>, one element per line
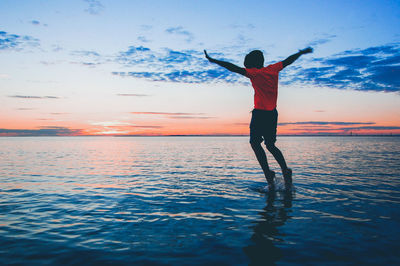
<point>190,200</point>
<point>263,250</point>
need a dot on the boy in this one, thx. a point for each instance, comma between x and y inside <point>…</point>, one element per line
<point>264,115</point>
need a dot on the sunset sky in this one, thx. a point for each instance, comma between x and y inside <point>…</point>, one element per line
<point>96,67</point>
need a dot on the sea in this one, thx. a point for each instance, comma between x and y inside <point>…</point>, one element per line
<point>198,201</point>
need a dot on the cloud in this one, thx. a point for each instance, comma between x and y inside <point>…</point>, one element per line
<point>182,32</point>
<point>176,115</point>
<point>138,126</point>
<point>25,109</point>
<point>50,63</point>
<point>206,76</point>
<point>132,94</point>
<point>164,113</point>
<point>335,128</point>
<point>325,123</point>
<point>143,39</point>
<point>325,39</point>
<point>110,123</point>
<point>248,26</point>
<point>344,130</point>
<point>372,69</point>
<point>136,55</point>
<point>89,64</point>
<point>146,27</point>
<point>16,42</point>
<point>41,131</point>
<point>56,48</point>
<point>95,7</point>
<point>88,53</point>
<point>89,58</point>
<point>33,97</point>
<point>184,66</point>
<point>190,117</point>
<point>37,23</point>
<point>370,128</point>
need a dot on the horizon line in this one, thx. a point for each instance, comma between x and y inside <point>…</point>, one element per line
<point>214,135</point>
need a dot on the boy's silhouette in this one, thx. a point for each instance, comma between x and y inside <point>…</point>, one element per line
<point>264,115</point>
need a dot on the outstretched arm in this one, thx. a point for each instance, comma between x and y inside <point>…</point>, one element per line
<point>294,57</point>
<point>227,65</point>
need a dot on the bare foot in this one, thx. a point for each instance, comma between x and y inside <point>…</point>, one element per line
<point>287,176</point>
<point>270,176</point>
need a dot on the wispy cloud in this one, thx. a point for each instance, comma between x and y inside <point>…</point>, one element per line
<point>56,48</point>
<point>146,27</point>
<point>89,64</point>
<point>304,130</point>
<point>336,127</point>
<point>143,39</point>
<point>37,23</point>
<point>207,76</point>
<point>322,40</point>
<point>190,117</point>
<point>145,126</point>
<point>89,58</point>
<point>325,123</point>
<point>164,113</point>
<point>372,69</point>
<point>185,66</point>
<point>16,42</point>
<point>95,7</point>
<point>33,97</point>
<point>111,123</point>
<point>370,128</point>
<point>132,94</point>
<point>180,31</point>
<point>248,26</point>
<point>172,115</point>
<point>41,131</point>
<point>89,53</point>
<point>25,109</point>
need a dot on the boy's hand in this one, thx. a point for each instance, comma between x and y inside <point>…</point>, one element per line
<point>208,57</point>
<point>306,50</point>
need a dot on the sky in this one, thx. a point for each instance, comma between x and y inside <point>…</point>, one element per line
<point>97,67</point>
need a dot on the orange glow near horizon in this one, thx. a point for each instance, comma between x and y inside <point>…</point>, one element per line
<point>165,128</point>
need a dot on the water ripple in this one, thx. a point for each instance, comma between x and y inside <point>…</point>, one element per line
<point>168,200</point>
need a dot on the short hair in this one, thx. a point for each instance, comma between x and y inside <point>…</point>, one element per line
<point>254,59</point>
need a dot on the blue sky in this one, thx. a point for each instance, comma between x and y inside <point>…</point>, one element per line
<point>125,67</point>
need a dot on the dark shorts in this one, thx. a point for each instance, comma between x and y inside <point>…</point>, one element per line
<point>263,126</point>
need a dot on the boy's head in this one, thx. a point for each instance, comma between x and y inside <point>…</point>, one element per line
<point>254,59</point>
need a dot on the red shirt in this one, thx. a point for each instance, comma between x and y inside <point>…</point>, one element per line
<point>265,84</point>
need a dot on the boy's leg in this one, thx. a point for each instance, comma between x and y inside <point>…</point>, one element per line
<point>277,155</point>
<point>262,160</point>
<point>287,172</point>
<point>270,139</point>
<point>256,129</point>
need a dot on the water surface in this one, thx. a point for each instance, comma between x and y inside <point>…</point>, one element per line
<point>197,200</point>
